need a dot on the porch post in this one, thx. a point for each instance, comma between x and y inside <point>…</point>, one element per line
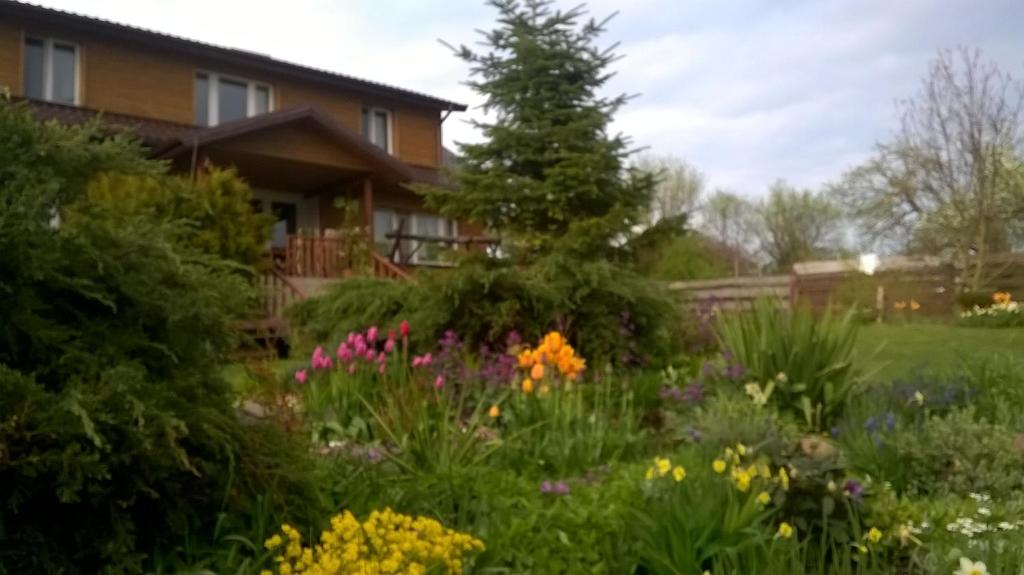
<point>368,206</point>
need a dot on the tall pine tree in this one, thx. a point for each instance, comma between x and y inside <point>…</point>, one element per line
<point>548,172</point>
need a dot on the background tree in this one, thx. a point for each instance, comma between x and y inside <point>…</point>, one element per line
<point>728,219</point>
<point>795,225</point>
<point>679,186</point>
<point>950,180</point>
<point>547,165</point>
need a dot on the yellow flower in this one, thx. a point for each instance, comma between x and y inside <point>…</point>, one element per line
<point>538,371</point>
<point>899,305</point>
<point>874,535</point>
<point>718,466</point>
<point>678,473</point>
<point>1002,297</point>
<point>741,479</point>
<point>545,389</point>
<point>784,478</point>
<point>914,306</point>
<point>527,386</point>
<point>650,474</point>
<point>764,498</point>
<point>785,530</point>
<point>494,412</point>
<point>663,465</point>
<point>919,397</point>
<point>526,358</point>
<point>862,549</point>
<point>741,449</point>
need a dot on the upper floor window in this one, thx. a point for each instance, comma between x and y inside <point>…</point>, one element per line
<point>222,99</point>
<point>377,127</point>
<point>51,70</point>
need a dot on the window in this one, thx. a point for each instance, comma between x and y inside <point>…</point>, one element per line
<point>222,99</point>
<point>377,127</point>
<point>51,70</point>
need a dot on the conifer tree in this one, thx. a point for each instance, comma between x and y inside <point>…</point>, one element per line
<point>548,168</point>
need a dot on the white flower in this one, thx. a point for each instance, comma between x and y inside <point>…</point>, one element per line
<point>984,511</point>
<point>968,567</point>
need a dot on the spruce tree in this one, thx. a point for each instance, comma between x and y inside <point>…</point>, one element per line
<point>548,171</point>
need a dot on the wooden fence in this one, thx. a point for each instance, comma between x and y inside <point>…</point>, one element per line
<point>930,283</point>
<point>733,293</point>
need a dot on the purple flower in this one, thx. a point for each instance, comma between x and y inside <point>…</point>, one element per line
<point>557,488</point>
<point>890,421</point>
<point>693,393</point>
<point>735,371</point>
<point>854,489</point>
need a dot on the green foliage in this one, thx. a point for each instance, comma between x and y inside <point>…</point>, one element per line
<point>688,257</point>
<point>729,418</point>
<point>215,208</point>
<point>548,167</point>
<point>568,431</point>
<point>687,526</point>
<point>801,363</point>
<point>609,313</point>
<point>118,432</point>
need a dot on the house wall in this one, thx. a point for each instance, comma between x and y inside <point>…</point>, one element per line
<point>120,76</point>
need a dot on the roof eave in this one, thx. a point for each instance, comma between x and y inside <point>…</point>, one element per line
<point>226,55</point>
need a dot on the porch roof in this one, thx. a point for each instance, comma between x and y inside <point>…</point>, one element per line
<point>372,158</point>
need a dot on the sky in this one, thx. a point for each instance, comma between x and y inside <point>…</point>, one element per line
<point>748,91</point>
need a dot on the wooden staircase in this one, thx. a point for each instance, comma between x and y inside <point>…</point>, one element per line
<point>266,335</point>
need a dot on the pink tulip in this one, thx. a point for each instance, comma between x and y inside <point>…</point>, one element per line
<point>371,334</point>
<point>342,350</point>
<point>382,369</point>
<point>371,355</point>
<point>403,328</point>
<point>439,382</point>
<point>389,345</point>
<point>301,376</point>
<point>351,368</point>
<point>351,339</point>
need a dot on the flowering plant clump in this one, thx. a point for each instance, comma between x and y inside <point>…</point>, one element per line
<point>387,542</point>
<point>1002,312</point>
<point>554,358</point>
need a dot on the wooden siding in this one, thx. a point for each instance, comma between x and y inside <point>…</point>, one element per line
<point>121,78</point>
<point>299,143</point>
<point>10,57</point>
<point>416,136</point>
<point>125,78</point>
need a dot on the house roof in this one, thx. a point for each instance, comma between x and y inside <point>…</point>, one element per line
<point>153,133</point>
<point>169,139</point>
<point>221,53</point>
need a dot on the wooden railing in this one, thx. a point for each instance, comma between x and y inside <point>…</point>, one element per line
<point>278,292</point>
<point>316,257</point>
<point>383,268</point>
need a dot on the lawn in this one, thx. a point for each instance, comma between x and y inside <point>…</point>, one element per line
<point>897,350</point>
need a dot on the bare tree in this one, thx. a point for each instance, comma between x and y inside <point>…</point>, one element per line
<point>727,218</point>
<point>679,188</point>
<point>796,225</point>
<point>950,180</point>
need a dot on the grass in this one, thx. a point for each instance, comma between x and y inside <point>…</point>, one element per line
<point>897,350</point>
